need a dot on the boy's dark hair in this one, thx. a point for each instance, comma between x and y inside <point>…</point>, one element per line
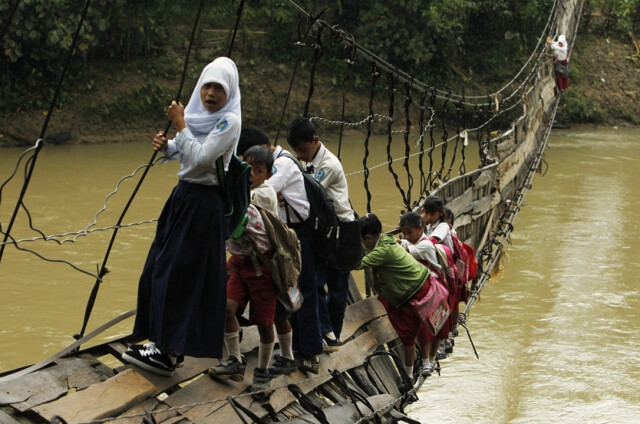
<point>433,204</point>
<point>448,216</point>
<point>370,224</point>
<point>249,137</point>
<point>412,219</point>
<point>259,154</point>
<point>300,130</point>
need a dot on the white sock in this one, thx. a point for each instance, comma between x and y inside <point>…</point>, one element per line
<point>432,360</point>
<point>264,354</point>
<point>409,371</point>
<point>286,344</point>
<point>331,335</point>
<point>232,341</point>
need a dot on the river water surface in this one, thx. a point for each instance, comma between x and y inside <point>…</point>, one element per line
<point>556,330</point>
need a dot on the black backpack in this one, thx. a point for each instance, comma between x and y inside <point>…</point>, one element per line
<point>235,183</point>
<point>322,220</point>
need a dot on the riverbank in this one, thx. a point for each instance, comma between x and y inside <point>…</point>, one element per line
<point>604,90</point>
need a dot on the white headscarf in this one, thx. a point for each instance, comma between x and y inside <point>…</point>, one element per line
<point>561,51</point>
<point>224,72</point>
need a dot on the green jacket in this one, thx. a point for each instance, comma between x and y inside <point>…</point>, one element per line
<point>397,275</point>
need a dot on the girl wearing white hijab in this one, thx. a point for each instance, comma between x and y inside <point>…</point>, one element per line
<point>560,52</point>
<point>182,289</point>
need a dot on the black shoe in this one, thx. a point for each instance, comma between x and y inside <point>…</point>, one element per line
<point>231,369</point>
<point>151,358</point>
<point>448,346</point>
<point>283,365</point>
<point>261,380</point>
<point>441,354</point>
<point>330,345</point>
<point>179,358</point>
<point>309,364</point>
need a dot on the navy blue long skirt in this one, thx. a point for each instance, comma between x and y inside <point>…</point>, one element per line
<point>182,289</point>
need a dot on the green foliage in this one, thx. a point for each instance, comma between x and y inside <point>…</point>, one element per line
<point>618,16</point>
<point>41,33</point>
<point>577,109</point>
<point>148,100</point>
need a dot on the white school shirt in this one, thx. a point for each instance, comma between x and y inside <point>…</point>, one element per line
<point>441,231</point>
<point>288,182</point>
<point>198,153</point>
<point>255,230</point>
<point>424,250</point>
<point>327,170</point>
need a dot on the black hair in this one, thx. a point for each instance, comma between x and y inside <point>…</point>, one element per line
<point>448,216</point>
<point>433,204</point>
<point>259,154</point>
<point>412,219</point>
<point>249,137</point>
<point>300,130</point>
<point>370,224</point>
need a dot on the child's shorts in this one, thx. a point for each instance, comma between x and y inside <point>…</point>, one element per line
<point>404,320</point>
<point>243,286</point>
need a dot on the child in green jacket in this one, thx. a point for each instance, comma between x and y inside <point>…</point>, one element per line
<point>397,278</point>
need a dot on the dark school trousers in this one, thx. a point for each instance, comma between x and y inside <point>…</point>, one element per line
<point>307,338</point>
<point>333,300</point>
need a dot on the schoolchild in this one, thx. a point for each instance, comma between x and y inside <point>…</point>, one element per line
<point>439,231</point>
<point>288,182</point>
<point>560,53</point>
<point>327,170</point>
<point>181,293</point>
<point>420,247</point>
<point>397,278</point>
<point>450,219</point>
<point>244,285</point>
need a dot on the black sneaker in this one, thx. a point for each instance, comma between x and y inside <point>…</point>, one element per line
<point>179,358</point>
<point>283,365</point>
<point>151,358</point>
<point>309,364</point>
<point>261,380</point>
<point>448,345</point>
<point>330,345</point>
<point>231,369</point>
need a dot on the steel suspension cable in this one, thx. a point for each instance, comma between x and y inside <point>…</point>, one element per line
<point>103,267</point>
<point>39,143</point>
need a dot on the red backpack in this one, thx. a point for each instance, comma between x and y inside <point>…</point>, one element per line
<point>465,260</point>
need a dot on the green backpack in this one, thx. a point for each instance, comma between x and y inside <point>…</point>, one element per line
<point>235,183</point>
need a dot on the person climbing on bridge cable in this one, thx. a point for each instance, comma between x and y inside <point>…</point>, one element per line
<point>561,59</point>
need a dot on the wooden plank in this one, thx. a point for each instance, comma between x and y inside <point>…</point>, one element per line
<point>7,419</point>
<point>106,399</point>
<point>133,415</point>
<point>351,354</point>
<point>346,412</point>
<point>48,384</point>
<point>360,313</point>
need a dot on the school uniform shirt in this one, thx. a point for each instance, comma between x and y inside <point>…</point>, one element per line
<point>265,196</point>
<point>400,275</point>
<point>441,231</point>
<point>327,170</point>
<point>255,230</point>
<point>288,182</point>
<point>198,152</point>
<point>423,250</point>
